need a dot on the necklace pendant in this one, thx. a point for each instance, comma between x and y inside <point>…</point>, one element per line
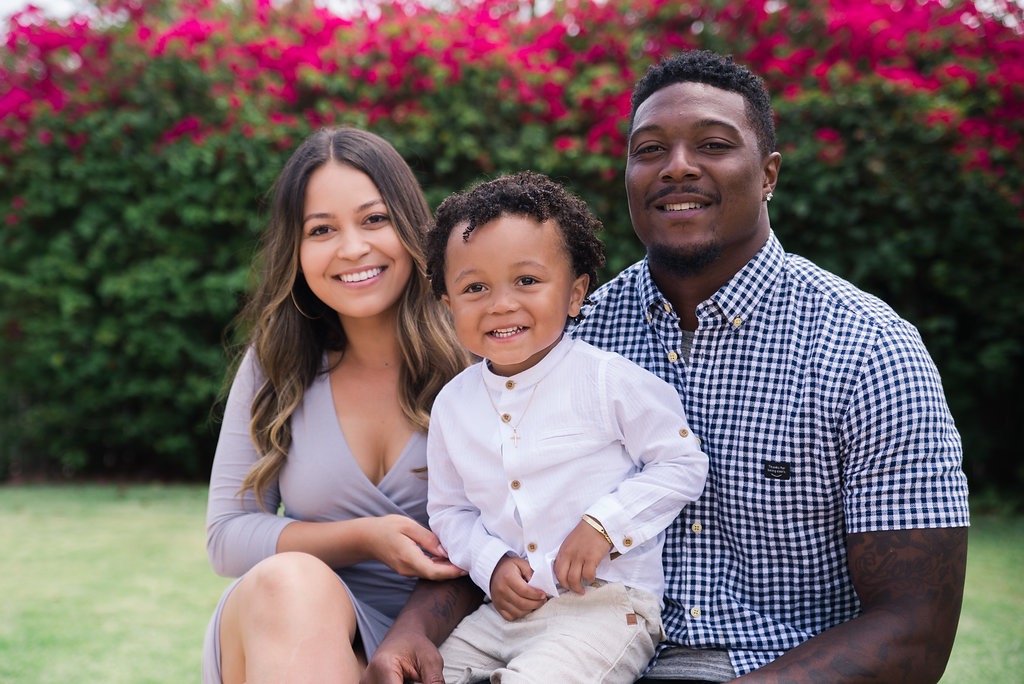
<point>515,439</point>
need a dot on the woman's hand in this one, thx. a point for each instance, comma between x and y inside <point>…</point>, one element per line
<point>408,548</point>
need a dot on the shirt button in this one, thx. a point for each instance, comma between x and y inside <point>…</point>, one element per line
<point>696,527</point>
<point>684,433</point>
<point>649,318</point>
<point>737,322</point>
<point>516,484</point>
<point>695,612</point>
<point>531,547</point>
<point>628,541</point>
<point>510,384</point>
<point>672,356</point>
<point>668,307</point>
<point>505,418</point>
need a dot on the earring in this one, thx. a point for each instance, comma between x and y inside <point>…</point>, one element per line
<point>768,197</point>
<point>299,309</point>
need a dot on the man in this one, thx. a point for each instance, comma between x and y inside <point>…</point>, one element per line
<point>830,543</point>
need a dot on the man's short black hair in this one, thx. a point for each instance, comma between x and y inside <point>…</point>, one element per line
<point>704,66</point>
<point>527,194</point>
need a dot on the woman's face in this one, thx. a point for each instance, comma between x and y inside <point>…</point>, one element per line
<point>350,252</point>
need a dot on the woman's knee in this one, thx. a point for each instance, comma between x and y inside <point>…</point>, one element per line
<point>290,577</point>
<point>286,604</point>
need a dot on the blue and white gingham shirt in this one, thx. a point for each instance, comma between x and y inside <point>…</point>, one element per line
<point>822,415</point>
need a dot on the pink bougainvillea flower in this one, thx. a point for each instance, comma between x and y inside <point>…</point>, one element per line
<point>833,147</point>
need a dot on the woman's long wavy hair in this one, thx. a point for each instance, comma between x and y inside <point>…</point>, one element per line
<point>290,328</point>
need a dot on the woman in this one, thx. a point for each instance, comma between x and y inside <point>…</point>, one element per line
<point>326,419</point>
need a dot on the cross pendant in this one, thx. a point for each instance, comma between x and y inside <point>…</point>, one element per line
<point>515,438</point>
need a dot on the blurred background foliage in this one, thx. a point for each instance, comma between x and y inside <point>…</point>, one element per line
<point>138,140</point>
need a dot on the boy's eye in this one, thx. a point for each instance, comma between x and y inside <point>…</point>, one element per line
<point>528,280</point>
<point>474,287</point>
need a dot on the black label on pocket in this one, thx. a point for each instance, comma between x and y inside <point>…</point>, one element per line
<point>777,470</point>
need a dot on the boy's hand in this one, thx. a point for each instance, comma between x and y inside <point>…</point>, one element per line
<point>578,557</point>
<point>512,596</point>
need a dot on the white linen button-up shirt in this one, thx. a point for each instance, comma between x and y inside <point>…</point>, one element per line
<point>584,431</point>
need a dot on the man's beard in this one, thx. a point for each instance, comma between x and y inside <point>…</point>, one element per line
<point>683,263</point>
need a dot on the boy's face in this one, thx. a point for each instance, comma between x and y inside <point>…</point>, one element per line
<point>510,288</point>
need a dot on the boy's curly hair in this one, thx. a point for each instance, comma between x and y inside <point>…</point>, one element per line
<point>527,194</point>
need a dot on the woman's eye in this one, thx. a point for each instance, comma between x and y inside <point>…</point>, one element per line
<point>318,230</point>
<point>377,219</point>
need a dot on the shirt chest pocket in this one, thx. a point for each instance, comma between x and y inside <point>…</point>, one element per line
<point>570,443</point>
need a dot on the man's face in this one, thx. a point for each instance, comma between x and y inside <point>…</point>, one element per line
<point>696,181</point>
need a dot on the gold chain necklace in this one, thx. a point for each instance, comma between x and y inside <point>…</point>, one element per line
<point>506,418</point>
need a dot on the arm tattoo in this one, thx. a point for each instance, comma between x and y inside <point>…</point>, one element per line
<point>910,584</point>
<point>890,567</point>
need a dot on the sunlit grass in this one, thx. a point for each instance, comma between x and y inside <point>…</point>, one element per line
<point>111,584</point>
<point>989,645</point>
<point>103,584</point>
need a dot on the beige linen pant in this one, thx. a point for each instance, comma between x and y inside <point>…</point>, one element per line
<point>606,635</point>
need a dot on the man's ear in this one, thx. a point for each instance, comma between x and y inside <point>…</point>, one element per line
<point>772,162</point>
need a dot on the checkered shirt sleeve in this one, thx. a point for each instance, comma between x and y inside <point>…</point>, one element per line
<point>822,414</point>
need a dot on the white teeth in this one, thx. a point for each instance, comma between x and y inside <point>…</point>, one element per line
<point>683,206</point>
<point>505,332</point>
<point>361,275</point>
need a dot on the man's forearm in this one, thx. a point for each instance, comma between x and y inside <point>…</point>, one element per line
<point>434,608</point>
<point>910,583</point>
<point>409,649</point>
<point>856,651</point>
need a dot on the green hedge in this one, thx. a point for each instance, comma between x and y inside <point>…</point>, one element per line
<point>137,146</point>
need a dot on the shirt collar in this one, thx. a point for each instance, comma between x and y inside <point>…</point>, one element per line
<point>735,301</point>
<point>530,376</point>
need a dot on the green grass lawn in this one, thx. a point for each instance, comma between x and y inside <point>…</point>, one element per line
<point>103,584</point>
<point>111,584</point>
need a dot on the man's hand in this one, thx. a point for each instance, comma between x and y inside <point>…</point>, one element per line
<point>410,656</point>
<point>578,557</point>
<point>512,596</point>
<point>409,649</point>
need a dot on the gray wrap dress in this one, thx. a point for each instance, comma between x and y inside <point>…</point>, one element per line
<point>319,482</point>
